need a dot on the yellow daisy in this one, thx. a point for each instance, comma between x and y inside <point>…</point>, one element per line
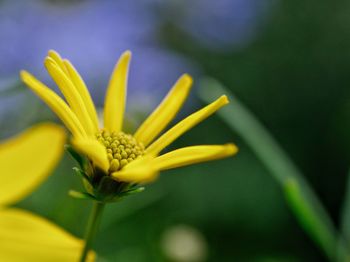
<point>25,162</point>
<point>131,158</point>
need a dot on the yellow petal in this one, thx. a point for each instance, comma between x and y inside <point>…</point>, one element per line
<point>71,94</point>
<point>58,59</point>
<point>141,170</point>
<point>27,159</point>
<point>56,104</point>
<point>165,112</point>
<point>186,124</point>
<point>93,150</point>
<point>27,237</point>
<point>83,91</point>
<point>194,154</point>
<point>116,94</point>
<point>78,82</point>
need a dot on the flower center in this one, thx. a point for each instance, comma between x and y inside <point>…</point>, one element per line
<point>121,148</point>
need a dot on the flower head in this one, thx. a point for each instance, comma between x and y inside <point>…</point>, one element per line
<point>113,153</point>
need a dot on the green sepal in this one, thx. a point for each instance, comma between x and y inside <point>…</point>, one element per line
<point>108,189</point>
<point>89,188</point>
<point>132,191</point>
<point>82,174</point>
<point>82,161</point>
<point>86,179</point>
<point>101,187</point>
<point>126,193</point>
<point>81,195</point>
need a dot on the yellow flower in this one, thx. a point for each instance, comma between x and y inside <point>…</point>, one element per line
<point>25,161</point>
<point>126,158</point>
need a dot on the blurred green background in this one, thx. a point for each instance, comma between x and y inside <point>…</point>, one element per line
<point>287,61</point>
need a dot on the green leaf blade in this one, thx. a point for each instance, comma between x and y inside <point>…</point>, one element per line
<point>301,198</point>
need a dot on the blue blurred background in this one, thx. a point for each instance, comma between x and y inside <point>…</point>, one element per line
<point>286,60</point>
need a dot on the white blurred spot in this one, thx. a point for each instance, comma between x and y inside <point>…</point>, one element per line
<point>183,243</point>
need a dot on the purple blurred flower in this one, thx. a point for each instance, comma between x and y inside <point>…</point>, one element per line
<point>220,24</point>
<point>92,34</point>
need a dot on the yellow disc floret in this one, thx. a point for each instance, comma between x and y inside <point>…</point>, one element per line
<point>121,148</point>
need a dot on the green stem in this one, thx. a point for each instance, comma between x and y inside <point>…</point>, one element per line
<point>92,227</point>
